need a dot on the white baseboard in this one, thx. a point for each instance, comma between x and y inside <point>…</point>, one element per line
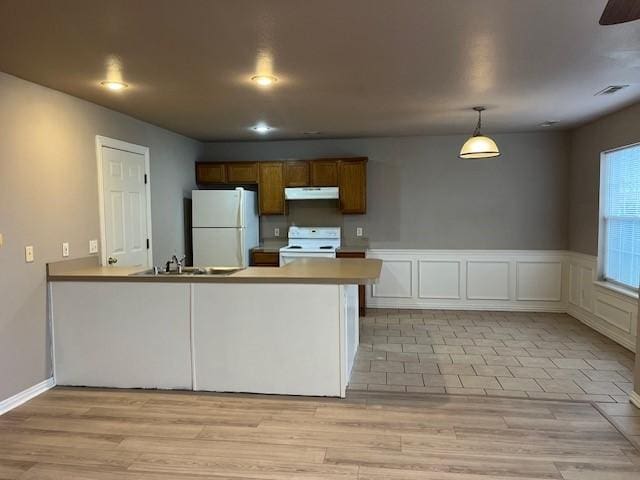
<point>635,399</point>
<point>492,307</point>
<point>26,395</point>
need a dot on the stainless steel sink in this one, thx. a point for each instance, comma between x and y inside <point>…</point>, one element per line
<point>193,271</point>
<point>211,270</point>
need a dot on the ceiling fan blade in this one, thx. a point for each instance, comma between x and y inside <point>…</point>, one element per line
<point>620,11</point>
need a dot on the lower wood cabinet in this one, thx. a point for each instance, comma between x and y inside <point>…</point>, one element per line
<point>362,292</point>
<point>261,258</point>
<point>271,188</point>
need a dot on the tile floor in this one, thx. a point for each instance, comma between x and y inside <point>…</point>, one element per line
<point>535,355</point>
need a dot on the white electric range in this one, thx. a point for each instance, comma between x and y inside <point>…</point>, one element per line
<point>305,242</point>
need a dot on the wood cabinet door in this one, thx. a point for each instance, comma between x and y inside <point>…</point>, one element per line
<point>265,259</point>
<point>210,173</point>
<point>324,173</point>
<point>296,173</point>
<point>271,189</point>
<point>352,179</point>
<point>242,172</point>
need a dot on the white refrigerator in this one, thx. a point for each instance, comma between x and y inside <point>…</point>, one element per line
<point>225,227</point>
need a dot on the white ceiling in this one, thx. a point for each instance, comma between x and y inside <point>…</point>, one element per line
<point>346,67</point>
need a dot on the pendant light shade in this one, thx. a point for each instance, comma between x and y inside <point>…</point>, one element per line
<point>478,145</point>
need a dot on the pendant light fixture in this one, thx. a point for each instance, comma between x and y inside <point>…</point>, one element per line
<point>479,146</point>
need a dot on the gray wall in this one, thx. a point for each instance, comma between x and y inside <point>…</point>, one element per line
<point>587,142</point>
<point>48,195</point>
<point>422,196</point>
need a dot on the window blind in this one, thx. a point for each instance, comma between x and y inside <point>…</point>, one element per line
<point>621,216</point>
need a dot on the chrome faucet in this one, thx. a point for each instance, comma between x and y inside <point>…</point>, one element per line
<point>178,261</point>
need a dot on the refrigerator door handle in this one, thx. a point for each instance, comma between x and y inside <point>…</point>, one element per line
<point>241,200</point>
<point>240,251</point>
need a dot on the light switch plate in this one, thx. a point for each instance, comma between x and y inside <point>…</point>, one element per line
<point>65,249</point>
<point>1,239</point>
<point>276,232</point>
<point>358,231</point>
<point>93,246</point>
<point>28,254</point>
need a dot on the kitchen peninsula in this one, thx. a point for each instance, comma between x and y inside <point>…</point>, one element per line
<point>289,330</point>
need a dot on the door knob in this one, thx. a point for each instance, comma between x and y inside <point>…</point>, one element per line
<point>112,260</point>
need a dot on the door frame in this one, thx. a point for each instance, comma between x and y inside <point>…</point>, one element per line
<point>126,147</point>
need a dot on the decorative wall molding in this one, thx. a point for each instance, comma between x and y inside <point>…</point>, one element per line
<point>516,280</point>
<point>606,310</point>
<point>439,279</point>
<point>488,279</point>
<point>470,280</point>
<point>26,395</point>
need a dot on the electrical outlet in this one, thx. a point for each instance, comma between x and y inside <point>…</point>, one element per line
<point>28,254</point>
<point>93,246</point>
<point>276,232</point>
<point>358,231</point>
<point>65,249</point>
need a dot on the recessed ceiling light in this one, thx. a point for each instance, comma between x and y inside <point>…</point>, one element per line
<point>262,129</point>
<point>114,85</point>
<point>264,80</point>
<point>549,123</point>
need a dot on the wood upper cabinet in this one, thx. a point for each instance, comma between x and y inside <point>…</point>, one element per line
<point>296,173</point>
<point>352,180</point>
<point>271,190</point>
<point>350,174</point>
<point>242,172</point>
<point>324,173</point>
<point>210,173</point>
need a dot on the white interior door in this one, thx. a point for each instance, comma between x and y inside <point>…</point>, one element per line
<point>124,200</point>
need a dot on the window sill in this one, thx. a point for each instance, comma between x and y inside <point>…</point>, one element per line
<point>617,288</point>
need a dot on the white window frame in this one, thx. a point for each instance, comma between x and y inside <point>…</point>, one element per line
<point>602,224</point>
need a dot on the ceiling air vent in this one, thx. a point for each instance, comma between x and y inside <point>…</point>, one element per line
<point>610,90</point>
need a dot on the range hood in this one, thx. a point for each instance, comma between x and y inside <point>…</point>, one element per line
<point>311,193</point>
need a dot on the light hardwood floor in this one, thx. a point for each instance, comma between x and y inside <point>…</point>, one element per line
<point>98,434</point>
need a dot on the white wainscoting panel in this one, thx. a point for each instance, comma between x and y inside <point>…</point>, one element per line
<point>470,280</point>
<point>586,287</point>
<point>439,279</point>
<point>541,281</point>
<point>488,280</point>
<point>610,312</point>
<point>574,284</point>
<point>613,311</point>
<point>396,280</point>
